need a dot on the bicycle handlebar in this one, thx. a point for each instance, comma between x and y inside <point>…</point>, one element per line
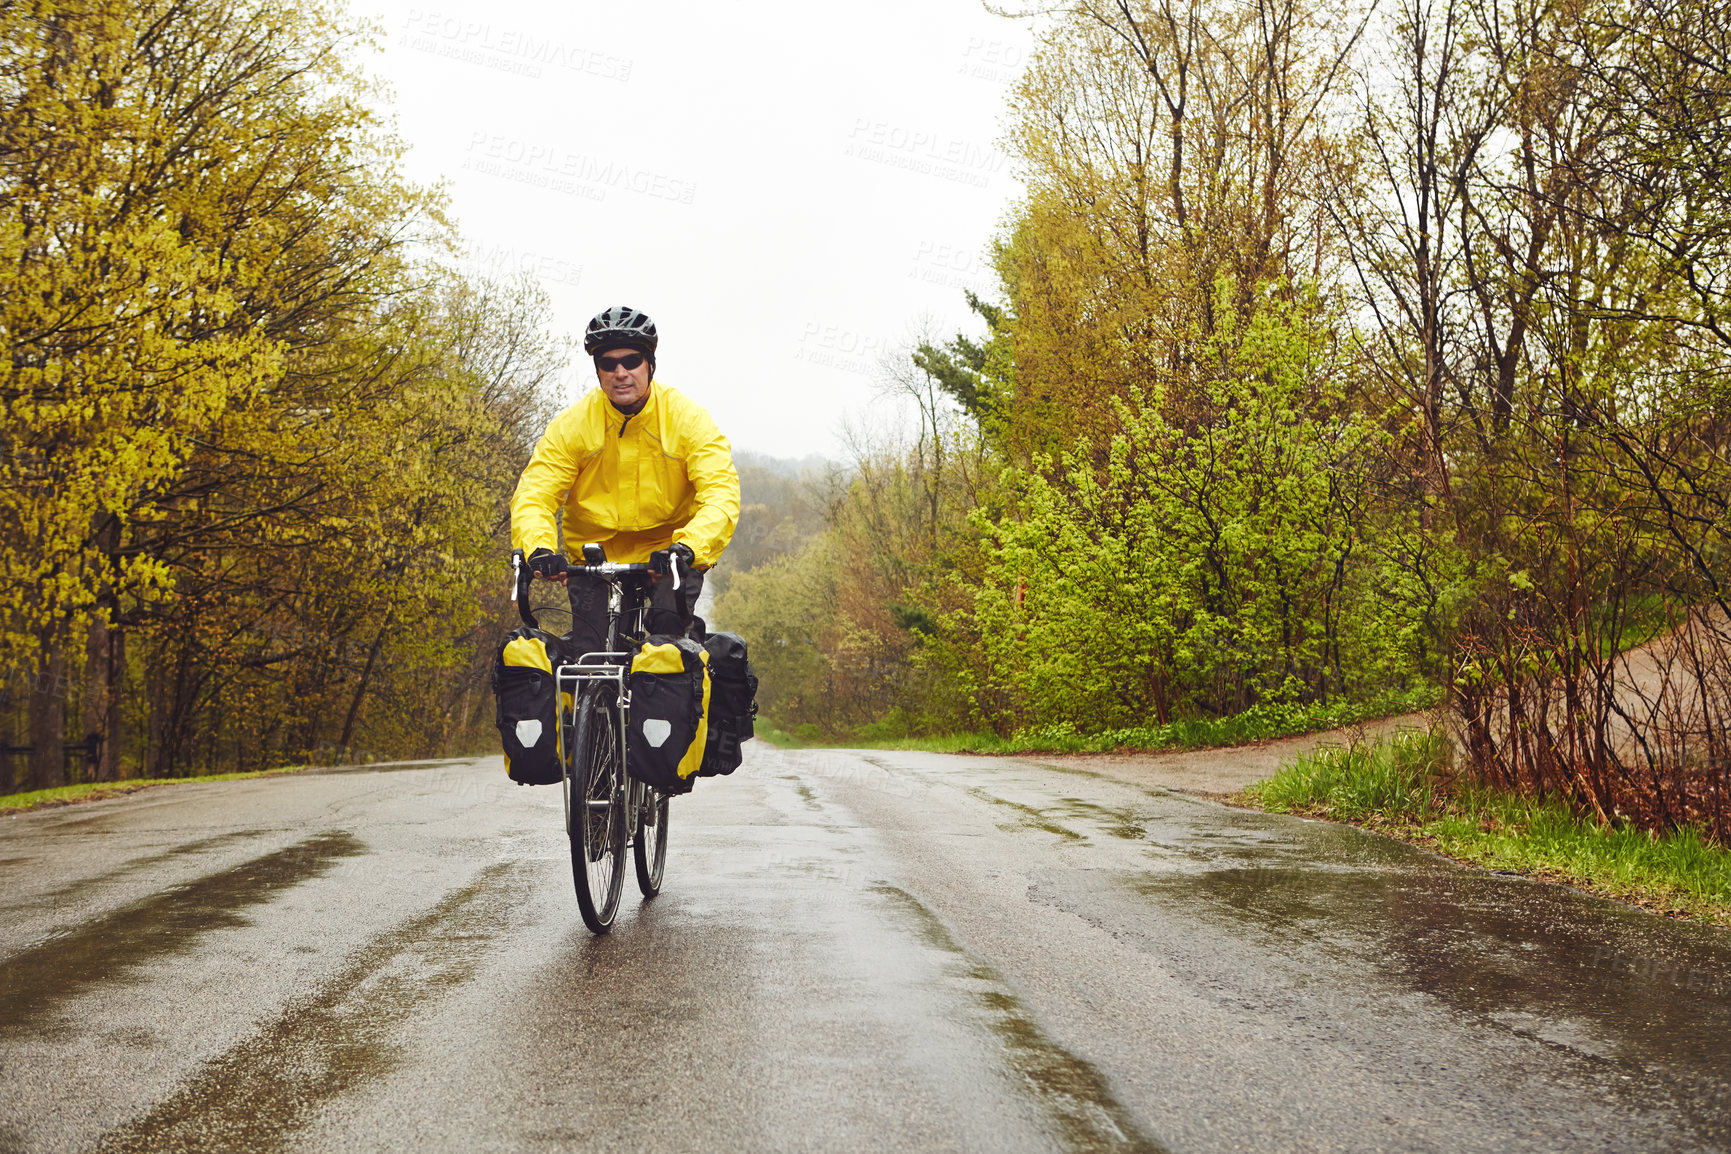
<point>611,568</point>
<point>522,575</point>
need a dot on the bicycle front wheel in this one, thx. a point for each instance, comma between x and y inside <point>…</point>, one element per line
<point>650,845</point>
<point>596,790</point>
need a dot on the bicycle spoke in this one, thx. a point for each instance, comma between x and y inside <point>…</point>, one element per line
<point>598,840</point>
<point>650,844</point>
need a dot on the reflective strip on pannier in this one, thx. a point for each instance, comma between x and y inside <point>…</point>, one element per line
<point>528,705</point>
<point>669,712</point>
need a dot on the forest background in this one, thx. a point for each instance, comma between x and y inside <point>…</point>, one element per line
<point>1341,359</point>
<point>1345,361</point>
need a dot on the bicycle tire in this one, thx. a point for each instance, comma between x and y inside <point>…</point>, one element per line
<point>649,847</point>
<point>597,819</point>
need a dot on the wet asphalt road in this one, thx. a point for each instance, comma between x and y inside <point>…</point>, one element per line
<point>883,951</point>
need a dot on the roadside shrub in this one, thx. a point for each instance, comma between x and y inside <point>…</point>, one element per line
<point>1398,778</point>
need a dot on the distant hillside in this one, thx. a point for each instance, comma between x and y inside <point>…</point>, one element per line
<point>788,467</point>
<point>782,506</point>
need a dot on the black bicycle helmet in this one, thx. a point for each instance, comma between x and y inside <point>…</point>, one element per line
<point>620,327</point>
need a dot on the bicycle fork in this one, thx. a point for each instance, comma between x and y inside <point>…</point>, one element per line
<point>632,789</point>
<point>603,666</point>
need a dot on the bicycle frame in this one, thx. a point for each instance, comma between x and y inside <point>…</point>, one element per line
<point>610,664</point>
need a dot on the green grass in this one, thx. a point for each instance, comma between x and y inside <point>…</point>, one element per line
<point>1394,788</point>
<point>1259,723</point>
<point>769,733</point>
<point>97,790</point>
<point>1389,780</point>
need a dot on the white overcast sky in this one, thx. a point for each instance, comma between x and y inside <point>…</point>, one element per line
<point>785,188</point>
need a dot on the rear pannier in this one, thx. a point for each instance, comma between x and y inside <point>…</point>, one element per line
<point>669,712</point>
<point>528,701</point>
<point>732,703</point>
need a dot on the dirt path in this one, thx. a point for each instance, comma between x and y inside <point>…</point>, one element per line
<point>1655,683</point>
<point>1221,772</point>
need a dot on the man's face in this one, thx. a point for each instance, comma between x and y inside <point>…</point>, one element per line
<point>623,386</point>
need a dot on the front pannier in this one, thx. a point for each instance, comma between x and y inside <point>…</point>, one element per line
<point>669,712</point>
<point>528,701</point>
<point>732,703</point>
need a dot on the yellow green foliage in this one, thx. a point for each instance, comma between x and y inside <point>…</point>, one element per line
<point>255,439</point>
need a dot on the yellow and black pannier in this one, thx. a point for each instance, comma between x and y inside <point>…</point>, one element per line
<point>732,703</point>
<point>669,712</point>
<point>528,701</point>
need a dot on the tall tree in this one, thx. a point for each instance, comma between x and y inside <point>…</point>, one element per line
<point>243,408</point>
<point>1172,151</point>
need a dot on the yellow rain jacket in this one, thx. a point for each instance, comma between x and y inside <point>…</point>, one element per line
<point>634,484</point>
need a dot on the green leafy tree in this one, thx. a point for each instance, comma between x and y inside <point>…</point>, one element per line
<point>255,442</point>
<point>1201,570</point>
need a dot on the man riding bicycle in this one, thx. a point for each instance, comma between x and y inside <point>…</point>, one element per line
<point>641,470</point>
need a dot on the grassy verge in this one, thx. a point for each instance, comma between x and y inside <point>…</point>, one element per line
<point>97,790</point>
<point>1259,723</point>
<point>1393,788</point>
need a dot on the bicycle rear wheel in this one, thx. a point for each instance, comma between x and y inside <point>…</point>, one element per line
<point>650,845</point>
<point>595,785</point>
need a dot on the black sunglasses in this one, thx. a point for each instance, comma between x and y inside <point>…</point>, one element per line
<point>628,361</point>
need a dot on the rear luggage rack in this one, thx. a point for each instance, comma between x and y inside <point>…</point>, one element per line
<point>595,667</point>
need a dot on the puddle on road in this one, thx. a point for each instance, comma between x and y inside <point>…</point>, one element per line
<point>804,791</point>
<point>1551,964</point>
<point>1073,1093</point>
<point>1031,817</point>
<point>1116,821</point>
<point>1157,792</point>
<point>1127,823</point>
<point>1644,1000</point>
<point>263,1090</point>
<point>83,886</point>
<point>34,982</point>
